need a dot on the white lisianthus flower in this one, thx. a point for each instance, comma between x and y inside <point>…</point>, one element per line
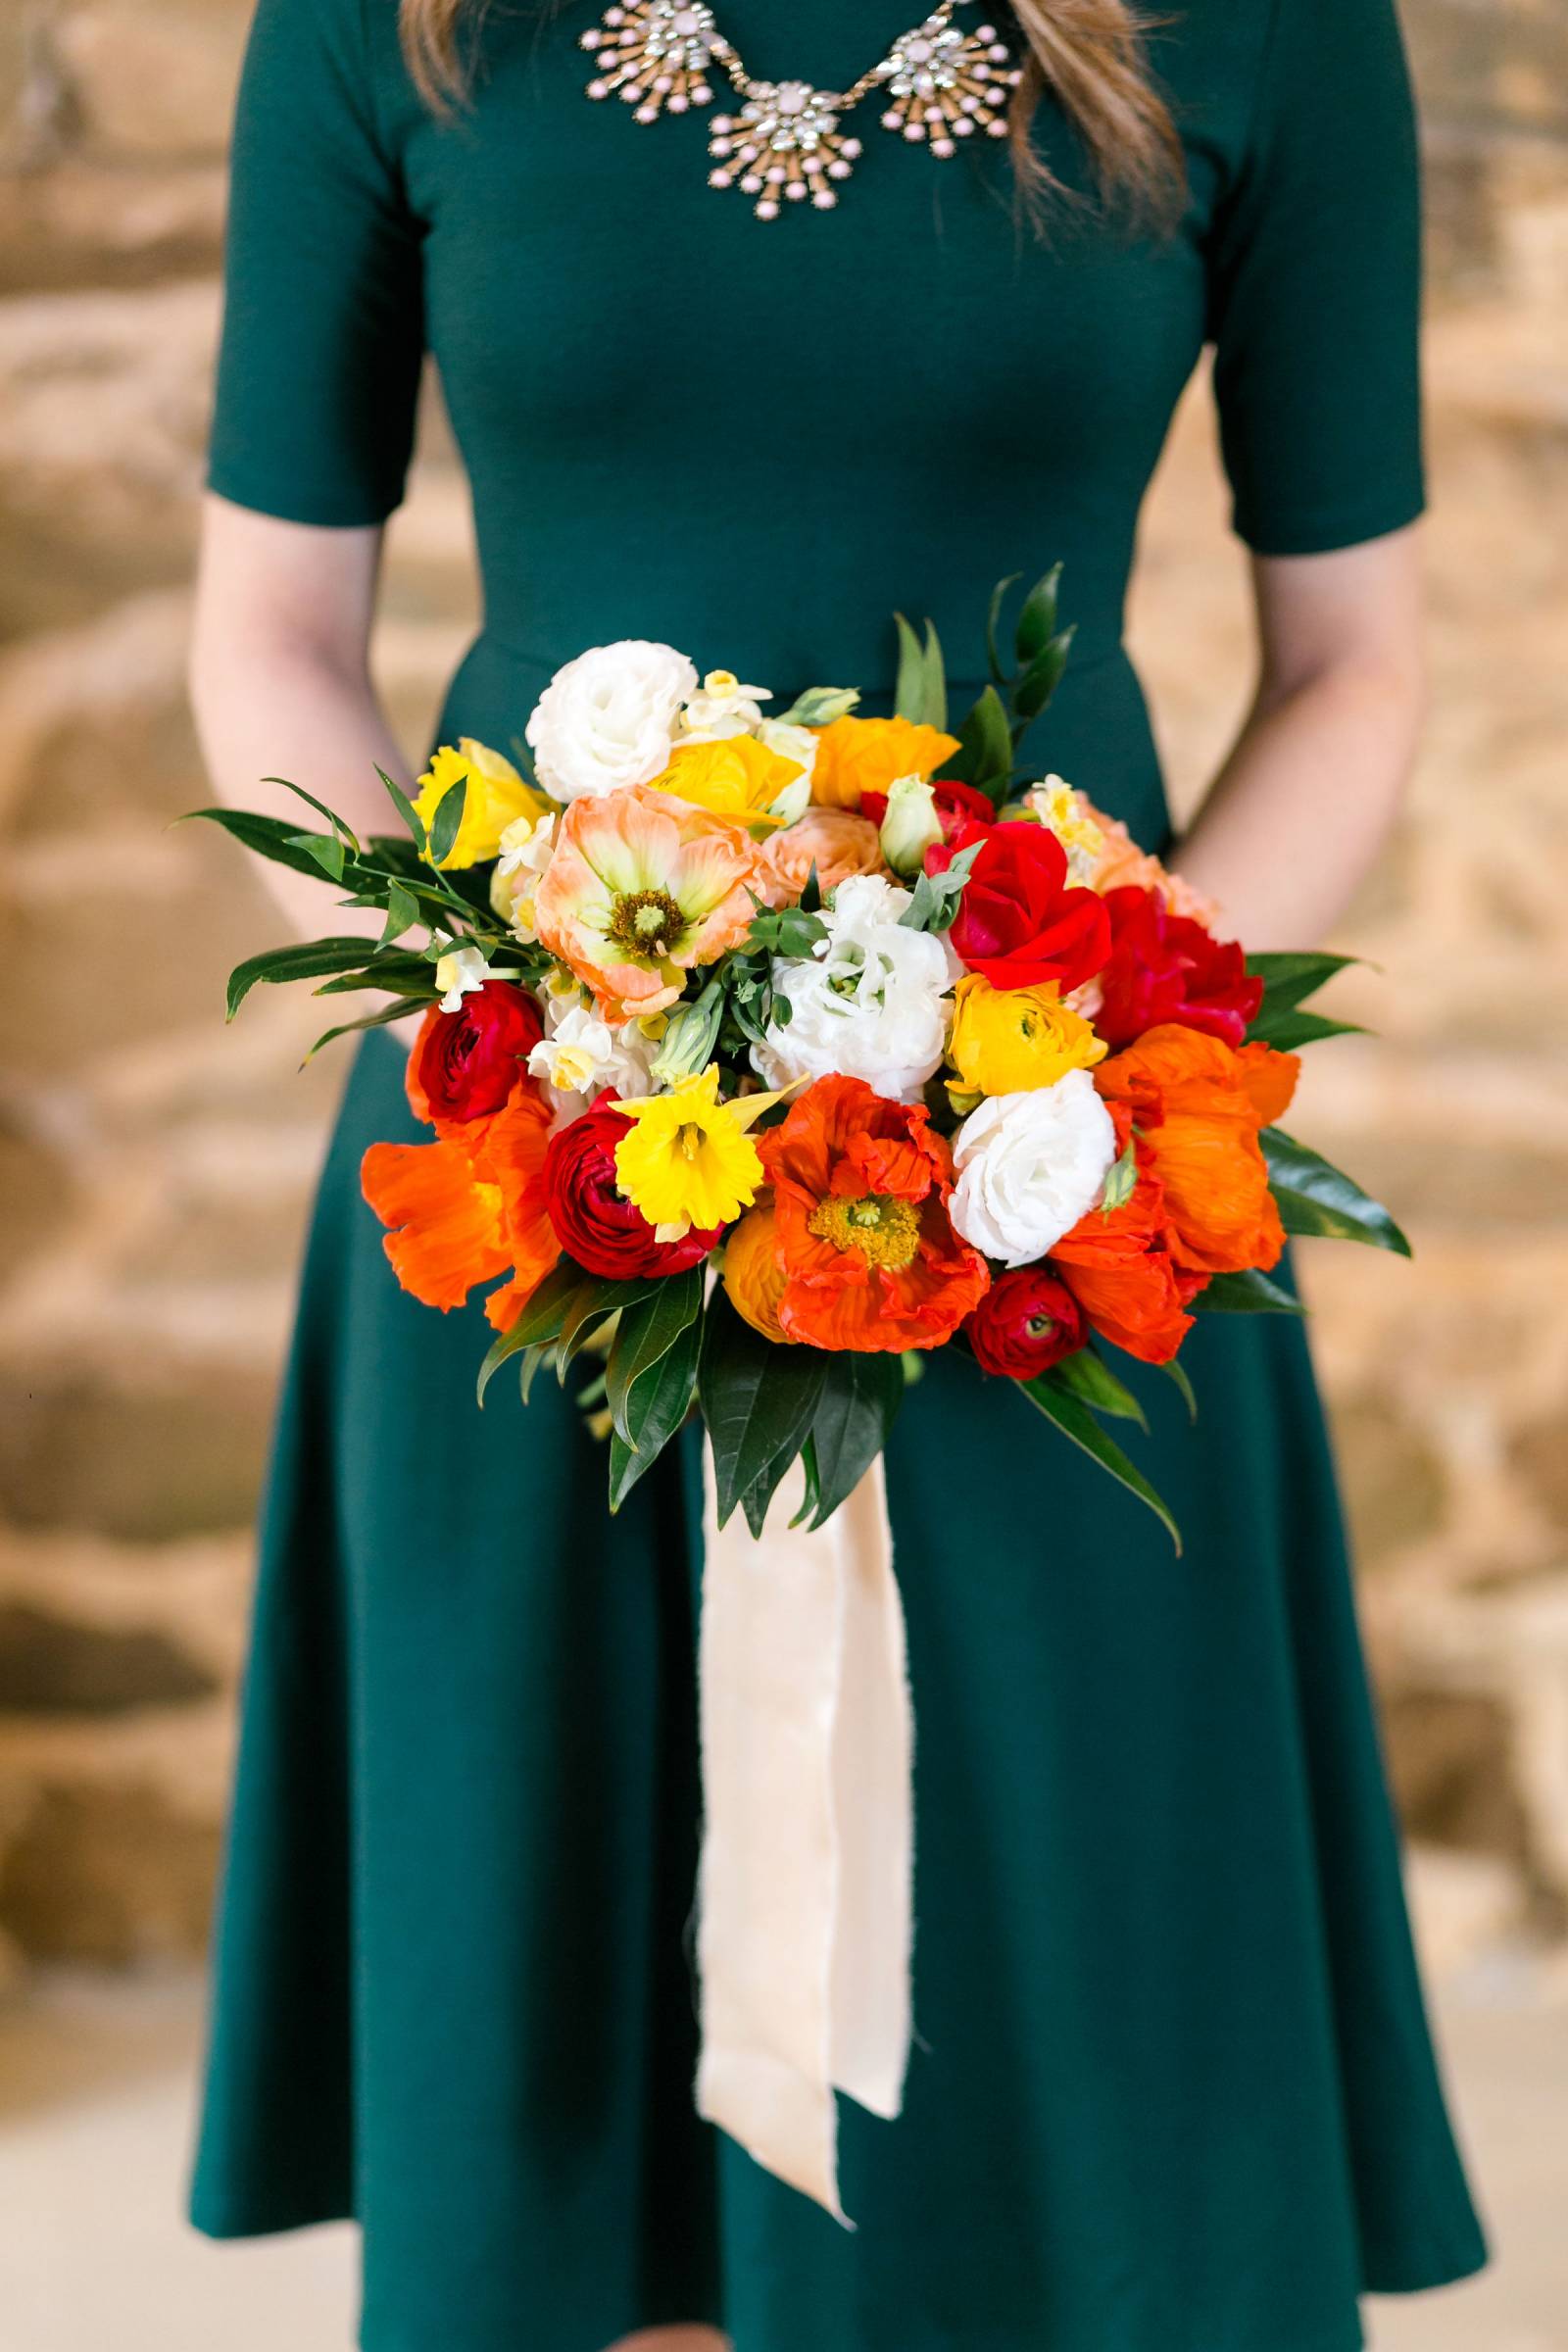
<point>580,1054</point>
<point>873,1002</point>
<point>1029,1166</point>
<point>526,848</point>
<point>459,973</point>
<point>722,707</point>
<point>608,720</point>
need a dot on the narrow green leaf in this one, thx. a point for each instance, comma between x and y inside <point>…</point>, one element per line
<point>1088,1376</point>
<point>307,961</point>
<point>340,825</point>
<point>372,1020</point>
<point>1041,679</point>
<point>936,680</point>
<point>595,1302</point>
<point>1076,1422</point>
<point>645,1333</point>
<point>528,1369</point>
<point>1248,1294</point>
<point>984,758</point>
<point>1317,1198</point>
<point>446,821</point>
<point>323,850</point>
<point>856,1409</point>
<point>402,912</point>
<point>660,1403</point>
<point>758,1399</point>
<point>811,1501</point>
<point>269,837</point>
<point>908,691</point>
<point>406,809</point>
<point>1036,618</point>
<point>998,596</point>
<point>1288,1030</point>
<point>1175,1371</point>
<point>539,1324</point>
<point>1290,977</point>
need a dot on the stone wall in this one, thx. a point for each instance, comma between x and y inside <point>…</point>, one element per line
<point>156,1168</point>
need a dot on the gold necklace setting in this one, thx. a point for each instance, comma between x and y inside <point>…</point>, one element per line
<point>784,144</point>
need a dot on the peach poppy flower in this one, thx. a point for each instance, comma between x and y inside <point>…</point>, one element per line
<point>837,841</point>
<point>1199,1104</point>
<point>468,1208</point>
<point>640,888</point>
<point>861,1232</point>
<point>1122,865</point>
<point>869,754</point>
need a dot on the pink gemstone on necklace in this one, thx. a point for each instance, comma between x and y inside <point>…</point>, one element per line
<point>686,21</point>
<point>918,51</point>
<point>793,98</point>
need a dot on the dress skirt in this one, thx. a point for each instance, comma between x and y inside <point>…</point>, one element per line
<point>1172,2088</point>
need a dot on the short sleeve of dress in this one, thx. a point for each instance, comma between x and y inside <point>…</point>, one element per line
<point>323,334</point>
<point>1316,288</point>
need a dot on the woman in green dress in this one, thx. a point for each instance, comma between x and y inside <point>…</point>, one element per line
<point>1173,2090</point>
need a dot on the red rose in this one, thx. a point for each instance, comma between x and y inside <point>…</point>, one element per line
<point>465,1064</point>
<point>594,1225</point>
<point>1166,967</point>
<point>1020,921</point>
<point>956,804</point>
<point>1026,1322</point>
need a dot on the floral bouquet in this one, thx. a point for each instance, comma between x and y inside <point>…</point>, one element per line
<point>909,1050</point>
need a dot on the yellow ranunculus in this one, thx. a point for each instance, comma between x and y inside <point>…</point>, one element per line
<point>1009,1040</point>
<point>734,776</point>
<point>497,796</point>
<point>867,754</point>
<point>688,1159</point>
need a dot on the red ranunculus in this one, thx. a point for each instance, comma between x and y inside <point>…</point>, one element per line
<point>1166,967</point>
<point>1019,922</point>
<point>465,1064</point>
<point>1026,1322</point>
<point>605,1233</point>
<point>958,806</point>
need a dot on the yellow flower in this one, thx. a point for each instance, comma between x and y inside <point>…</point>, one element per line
<point>866,755</point>
<point>688,1159</point>
<point>1066,812</point>
<point>497,796</point>
<point>1009,1040</point>
<point>736,777</point>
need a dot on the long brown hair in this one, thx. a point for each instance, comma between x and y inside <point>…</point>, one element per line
<point>1091,53</point>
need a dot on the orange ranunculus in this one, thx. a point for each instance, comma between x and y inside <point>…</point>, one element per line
<point>639,888</point>
<point>1118,1265</point>
<point>837,841</point>
<point>868,755</point>
<point>1199,1104</point>
<point>753,1270</point>
<point>468,1208</point>
<point>870,1258</point>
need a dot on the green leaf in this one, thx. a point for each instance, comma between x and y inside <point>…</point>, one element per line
<point>1176,1372</point>
<point>936,680</point>
<point>1041,679</point>
<point>539,1324</point>
<point>306,962</point>
<point>811,1499</point>
<point>340,825</point>
<point>269,837</point>
<point>527,1370</point>
<point>998,596</point>
<point>406,809</point>
<point>1076,1422</point>
<point>659,1404</point>
<point>1317,1198</point>
<point>819,706</point>
<point>984,758</point>
<point>1247,1293</point>
<point>1291,977</point>
<point>402,912</point>
<point>598,1298</point>
<point>758,1399</point>
<point>323,850</point>
<point>934,900</point>
<point>858,1406</point>
<point>1286,1030</point>
<point>1088,1376</point>
<point>372,1020</point>
<point>647,1332</point>
<point>920,692</point>
<point>1036,618</point>
<point>446,821</point>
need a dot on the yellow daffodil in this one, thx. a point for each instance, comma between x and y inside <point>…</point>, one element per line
<point>497,798</point>
<point>1066,812</point>
<point>688,1159</point>
<point>1009,1040</point>
<point>735,776</point>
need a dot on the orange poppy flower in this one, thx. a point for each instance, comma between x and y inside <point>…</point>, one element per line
<point>1199,1104</point>
<point>868,755</point>
<point>1118,1265</point>
<point>861,1232</point>
<point>468,1208</point>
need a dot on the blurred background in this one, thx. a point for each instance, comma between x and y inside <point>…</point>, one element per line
<point>156,1170</point>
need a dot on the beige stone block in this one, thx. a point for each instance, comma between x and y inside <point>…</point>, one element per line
<point>84,225</point>
<point>152,80</point>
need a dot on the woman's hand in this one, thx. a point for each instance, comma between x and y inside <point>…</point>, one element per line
<point>280,683</point>
<point>1302,806</point>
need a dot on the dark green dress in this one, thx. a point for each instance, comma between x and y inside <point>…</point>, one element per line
<point>1173,2091</point>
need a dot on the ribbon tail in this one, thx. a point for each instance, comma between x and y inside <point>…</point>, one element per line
<point>803,1938</point>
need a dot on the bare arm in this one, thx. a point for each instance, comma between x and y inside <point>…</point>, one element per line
<point>280,682</point>
<point>1297,813</point>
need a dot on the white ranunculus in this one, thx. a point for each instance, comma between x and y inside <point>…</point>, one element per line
<point>580,1054</point>
<point>1029,1166</point>
<point>872,1002</point>
<point>608,718</point>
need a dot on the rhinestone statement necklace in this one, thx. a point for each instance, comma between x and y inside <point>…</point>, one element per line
<point>784,144</point>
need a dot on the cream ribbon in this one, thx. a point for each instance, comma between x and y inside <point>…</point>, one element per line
<point>805,1898</point>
